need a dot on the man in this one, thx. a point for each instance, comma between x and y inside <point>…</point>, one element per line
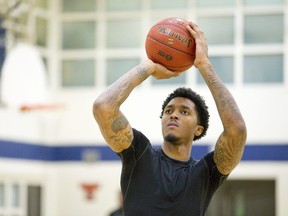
<point>167,181</point>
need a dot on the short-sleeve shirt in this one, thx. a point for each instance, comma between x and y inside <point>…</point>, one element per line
<point>155,185</point>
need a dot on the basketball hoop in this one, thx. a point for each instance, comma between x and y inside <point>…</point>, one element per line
<point>40,107</point>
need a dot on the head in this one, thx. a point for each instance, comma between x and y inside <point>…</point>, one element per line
<point>199,115</point>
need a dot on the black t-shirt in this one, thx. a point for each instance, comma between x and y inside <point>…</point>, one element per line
<point>155,185</point>
<point>118,212</point>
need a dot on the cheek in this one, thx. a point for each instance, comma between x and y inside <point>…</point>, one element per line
<point>163,121</point>
<point>193,125</point>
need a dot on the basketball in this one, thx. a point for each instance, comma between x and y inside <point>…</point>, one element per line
<point>170,44</point>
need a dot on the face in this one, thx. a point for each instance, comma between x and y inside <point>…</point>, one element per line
<point>179,121</point>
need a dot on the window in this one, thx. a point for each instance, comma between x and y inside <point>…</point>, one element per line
<point>78,73</point>
<point>263,2</point>
<point>15,195</point>
<point>224,67</point>
<point>216,4</point>
<point>214,31</point>
<point>164,4</point>
<point>123,33</point>
<point>78,35</point>
<point>244,197</point>
<point>20,198</point>
<point>76,5</point>
<point>41,31</point>
<point>256,31</point>
<point>117,67</point>
<point>42,4</point>
<point>2,195</point>
<point>118,5</point>
<point>34,200</point>
<point>263,69</point>
<point>109,35</point>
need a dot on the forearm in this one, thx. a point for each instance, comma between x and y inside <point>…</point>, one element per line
<point>227,107</point>
<point>113,124</point>
<point>230,144</point>
<point>119,91</point>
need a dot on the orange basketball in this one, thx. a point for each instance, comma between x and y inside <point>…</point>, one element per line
<point>170,44</point>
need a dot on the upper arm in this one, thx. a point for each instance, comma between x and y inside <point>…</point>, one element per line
<point>229,150</point>
<point>114,127</point>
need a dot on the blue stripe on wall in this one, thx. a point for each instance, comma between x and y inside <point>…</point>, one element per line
<point>17,150</point>
<point>266,152</point>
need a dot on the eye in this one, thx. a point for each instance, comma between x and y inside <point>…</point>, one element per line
<point>185,112</point>
<point>168,111</point>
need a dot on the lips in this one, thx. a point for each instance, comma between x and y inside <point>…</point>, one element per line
<point>172,124</point>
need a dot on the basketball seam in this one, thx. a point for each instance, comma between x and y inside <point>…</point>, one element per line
<point>169,46</point>
<point>171,66</point>
<point>172,24</point>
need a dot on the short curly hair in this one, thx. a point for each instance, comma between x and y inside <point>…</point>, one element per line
<point>201,107</point>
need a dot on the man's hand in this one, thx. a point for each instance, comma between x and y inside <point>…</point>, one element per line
<point>201,51</point>
<point>158,71</point>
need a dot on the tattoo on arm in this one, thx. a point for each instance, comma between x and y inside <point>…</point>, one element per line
<point>120,90</point>
<point>113,124</point>
<point>226,105</point>
<point>230,145</point>
<point>119,124</point>
<point>228,153</point>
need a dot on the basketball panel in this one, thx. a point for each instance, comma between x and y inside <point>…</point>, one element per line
<point>169,57</point>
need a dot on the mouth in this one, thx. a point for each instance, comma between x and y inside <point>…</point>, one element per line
<point>172,124</point>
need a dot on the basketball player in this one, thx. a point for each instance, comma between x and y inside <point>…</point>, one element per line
<point>166,181</point>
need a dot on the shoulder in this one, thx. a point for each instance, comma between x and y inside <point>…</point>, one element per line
<point>139,145</point>
<point>138,135</point>
<point>213,170</point>
<point>140,140</point>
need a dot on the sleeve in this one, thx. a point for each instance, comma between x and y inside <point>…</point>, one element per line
<point>130,156</point>
<point>215,175</point>
<point>138,146</point>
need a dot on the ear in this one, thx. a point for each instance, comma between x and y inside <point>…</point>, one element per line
<point>199,130</point>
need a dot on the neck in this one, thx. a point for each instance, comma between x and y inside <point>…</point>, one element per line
<point>180,152</point>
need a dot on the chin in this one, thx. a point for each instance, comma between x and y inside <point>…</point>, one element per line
<point>171,138</point>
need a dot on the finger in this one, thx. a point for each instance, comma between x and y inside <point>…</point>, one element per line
<point>177,73</point>
<point>192,31</point>
<point>193,25</point>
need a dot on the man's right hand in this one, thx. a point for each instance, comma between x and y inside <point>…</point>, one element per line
<point>158,71</point>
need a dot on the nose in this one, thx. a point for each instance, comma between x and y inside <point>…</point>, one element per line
<point>174,115</point>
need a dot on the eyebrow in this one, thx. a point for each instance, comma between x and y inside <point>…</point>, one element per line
<point>182,106</point>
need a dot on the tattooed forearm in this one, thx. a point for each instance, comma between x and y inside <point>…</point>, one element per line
<point>223,154</point>
<point>113,124</point>
<point>119,124</point>
<point>227,154</point>
<point>119,140</point>
<point>226,105</point>
<point>120,90</point>
<point>230,145</point>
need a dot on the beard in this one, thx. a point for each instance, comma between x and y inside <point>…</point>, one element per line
<point>171,139</point>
